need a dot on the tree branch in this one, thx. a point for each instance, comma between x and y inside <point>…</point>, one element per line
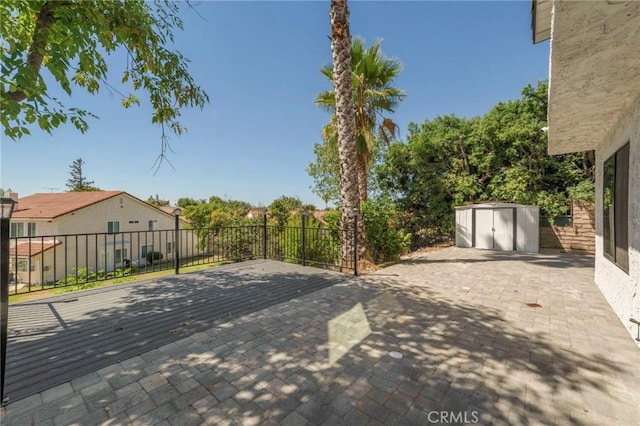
<point>38,46</point>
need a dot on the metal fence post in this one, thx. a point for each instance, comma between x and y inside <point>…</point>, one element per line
<point>4,301</point>
<point>6,209</point>
<point>304,237</point>
<point>264,234</point>
<point>355,241</point>
<point>176,239</point>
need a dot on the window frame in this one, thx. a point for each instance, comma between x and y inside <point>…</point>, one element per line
<point>24,265</point>
<point>615,207</point>
<point>144,249</point>
<point>114,225</point>
<point>16,230</point>
<point>123,254</point>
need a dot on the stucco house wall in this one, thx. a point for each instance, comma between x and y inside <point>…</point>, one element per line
<point>594,104</point>
<point>621,290</point>
<point>133,215</point>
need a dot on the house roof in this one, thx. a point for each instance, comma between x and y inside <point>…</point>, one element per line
<point>52,205</point>
<point>32,248</point>
<point>319,215</point>
<point>167,209</point>
<point>541,20</point>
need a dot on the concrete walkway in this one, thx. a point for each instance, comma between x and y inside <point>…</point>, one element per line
<point>485,337</point>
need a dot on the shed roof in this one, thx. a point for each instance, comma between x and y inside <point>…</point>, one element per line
<point>492,206</point>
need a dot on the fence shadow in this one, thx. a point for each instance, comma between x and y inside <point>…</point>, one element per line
<point>56,339</point>
<point>457,356</point>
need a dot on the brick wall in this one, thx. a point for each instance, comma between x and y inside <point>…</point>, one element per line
<point>579,236</point>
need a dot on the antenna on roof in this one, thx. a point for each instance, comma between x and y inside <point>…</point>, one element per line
<point>50,188</point>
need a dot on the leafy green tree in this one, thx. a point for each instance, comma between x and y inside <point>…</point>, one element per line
<point>186,202</point>
<point>373,74</point>
<point>70,40</point>
<point>78,181</point>
<point>500,156</point>
<point>237,208</point>
<point>157,201</point>
<point>326,171</point>
<point>310,208</point>
<point>281,209</point>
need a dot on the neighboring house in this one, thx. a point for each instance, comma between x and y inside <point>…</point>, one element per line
<point>30,261</point>
<point>100,230</point>
<point>594,104</point>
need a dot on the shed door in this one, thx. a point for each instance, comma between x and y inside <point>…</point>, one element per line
<point>503,229</point>
<point>484,228</point>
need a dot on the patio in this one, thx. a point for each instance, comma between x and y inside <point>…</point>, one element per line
<point>485,337</point>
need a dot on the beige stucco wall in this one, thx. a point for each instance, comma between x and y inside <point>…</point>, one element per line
<point>621,290</point>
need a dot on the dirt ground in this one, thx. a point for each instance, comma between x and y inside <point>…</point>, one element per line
<point>365,267</point>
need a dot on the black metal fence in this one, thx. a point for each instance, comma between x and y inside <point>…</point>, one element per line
<point>82,260</point>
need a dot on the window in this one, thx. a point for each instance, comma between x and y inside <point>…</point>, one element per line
<point>169,247</point>
<point>17,230</point>
<point>615,208</point>
<point>153,225</point>
<point>113,227</point>
<point>120,255</point>
<point>144,250</point>
<point>22,265</point>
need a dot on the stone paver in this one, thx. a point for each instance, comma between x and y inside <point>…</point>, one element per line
<point>472,351</point>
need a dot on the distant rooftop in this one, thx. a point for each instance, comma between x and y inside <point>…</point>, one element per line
<point>52,205</point>
<point>32,248</point>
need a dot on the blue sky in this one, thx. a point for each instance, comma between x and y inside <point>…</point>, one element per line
<point>259,63</point>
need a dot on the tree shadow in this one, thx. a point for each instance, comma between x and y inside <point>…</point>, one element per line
<point>458,356</point>
<point>56,339</point>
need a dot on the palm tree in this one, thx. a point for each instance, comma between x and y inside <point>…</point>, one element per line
<point>345,123</point>
<point>372,75</point>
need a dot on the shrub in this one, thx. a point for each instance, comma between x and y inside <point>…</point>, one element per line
<point>152,256</point>
<point>238,242</point>
<point>385,238</point>
<point>321,243</point>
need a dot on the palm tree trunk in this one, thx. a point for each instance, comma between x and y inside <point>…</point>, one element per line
<point>341,57</point>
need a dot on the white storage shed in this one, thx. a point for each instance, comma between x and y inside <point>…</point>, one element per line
<point>498,226</point>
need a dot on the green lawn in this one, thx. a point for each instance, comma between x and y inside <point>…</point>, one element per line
<point>22,297</point>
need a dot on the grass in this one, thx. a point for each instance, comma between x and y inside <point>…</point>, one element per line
<point>23,297</point>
